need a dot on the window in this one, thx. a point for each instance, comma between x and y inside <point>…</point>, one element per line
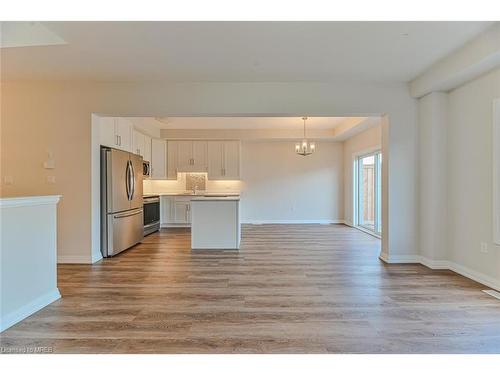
<point>368,192</point>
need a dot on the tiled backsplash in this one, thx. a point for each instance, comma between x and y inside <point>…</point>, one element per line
<point>196,180</point>
<point>216,186</point>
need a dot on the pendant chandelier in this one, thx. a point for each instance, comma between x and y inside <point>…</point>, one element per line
<point>305,147</point>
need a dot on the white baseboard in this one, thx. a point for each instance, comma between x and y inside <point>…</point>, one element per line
<point>384,257</point>
<point>30,308</point>
<point>96,258</point>
<point>400,258</point>
<point>317,221</point>
<point>476,276</point>
<point>74,259</point>
<point>435,264</point>
<point>444,265</point>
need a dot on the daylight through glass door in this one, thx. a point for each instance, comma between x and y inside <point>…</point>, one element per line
<point>368,192</point>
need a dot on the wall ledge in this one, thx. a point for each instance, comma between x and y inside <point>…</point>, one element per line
<point>29,201</point>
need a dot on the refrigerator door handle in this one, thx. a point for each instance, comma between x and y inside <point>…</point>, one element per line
<point>128,183</point>
<point>132,180</point>
<point>127,214</point>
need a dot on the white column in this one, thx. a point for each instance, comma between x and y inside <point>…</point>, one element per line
<point>432,177</point>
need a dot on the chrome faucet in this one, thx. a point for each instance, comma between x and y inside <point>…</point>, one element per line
<point>195,188</point>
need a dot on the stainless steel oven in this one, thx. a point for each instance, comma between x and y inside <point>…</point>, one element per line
<point>151,208</point>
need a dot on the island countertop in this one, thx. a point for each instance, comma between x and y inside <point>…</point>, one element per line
<point>200,194</point>
<point>215,198</point>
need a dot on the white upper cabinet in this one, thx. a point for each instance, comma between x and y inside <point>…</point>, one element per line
<point>184,155</point>
<point>123,131</point>
<point>107,132</point>
<point>116,132</point>
<point>172,154</point>
<point>200,156</point>
<point>232,160</point>
<point>191,156</point>
<point>215,160</point>
<point>141,145</point>
<point>158,159</point>
<point>147,148</point>
<point>120,133</point>
<point>223,160</point>
<point>137,143</point>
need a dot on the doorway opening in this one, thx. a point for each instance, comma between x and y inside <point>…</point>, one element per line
<point>368,192</point>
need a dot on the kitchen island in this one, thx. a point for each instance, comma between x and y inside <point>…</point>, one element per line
<point>215,222</point>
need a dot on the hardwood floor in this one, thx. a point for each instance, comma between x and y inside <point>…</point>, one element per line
<point>290,289</point>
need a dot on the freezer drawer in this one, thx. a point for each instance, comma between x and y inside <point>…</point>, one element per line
<point>124,229</point>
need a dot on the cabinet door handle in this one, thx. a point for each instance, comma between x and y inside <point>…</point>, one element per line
<point>116,140</point>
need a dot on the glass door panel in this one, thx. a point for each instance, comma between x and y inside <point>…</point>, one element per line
<point>369,192</point>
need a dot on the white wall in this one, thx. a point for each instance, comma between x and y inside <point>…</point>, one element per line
<point>433,176</point>
<point>57,115</point>
<point>470,170</point>
<point>280,186</point>
<point>369,140</point>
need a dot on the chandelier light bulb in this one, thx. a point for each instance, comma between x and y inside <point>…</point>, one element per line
<point>305,147</point>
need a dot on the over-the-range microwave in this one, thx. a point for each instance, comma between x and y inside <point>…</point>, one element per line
<point>146,169</point>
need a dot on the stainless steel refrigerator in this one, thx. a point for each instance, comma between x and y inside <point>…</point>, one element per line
<point>122,219</point>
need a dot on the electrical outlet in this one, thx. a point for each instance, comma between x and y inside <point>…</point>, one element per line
<point>8,180</point>
<point>51,179</point>
<point>484,247</point>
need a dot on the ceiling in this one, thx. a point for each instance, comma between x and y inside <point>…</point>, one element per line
<point>245,122</point>
<point>238,51</point>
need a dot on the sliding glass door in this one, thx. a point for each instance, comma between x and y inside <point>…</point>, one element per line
<point>368,191</point>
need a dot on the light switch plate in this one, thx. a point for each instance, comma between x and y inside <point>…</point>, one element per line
<point>49,164</point>
<point>484,247</point>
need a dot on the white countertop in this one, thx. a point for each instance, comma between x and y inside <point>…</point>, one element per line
<point>198,194</point>
<point>212,198</point>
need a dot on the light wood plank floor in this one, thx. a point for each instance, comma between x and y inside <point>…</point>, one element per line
<point>291,289</point>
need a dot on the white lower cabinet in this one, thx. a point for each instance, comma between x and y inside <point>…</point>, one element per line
<point>182,212</point>
<point>175,211</point>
